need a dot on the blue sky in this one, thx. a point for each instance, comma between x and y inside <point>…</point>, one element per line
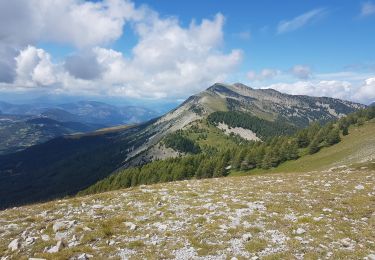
<point>168,50</point>
<point>338,38</point>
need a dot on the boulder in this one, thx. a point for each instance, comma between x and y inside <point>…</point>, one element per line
<point>14,245</point>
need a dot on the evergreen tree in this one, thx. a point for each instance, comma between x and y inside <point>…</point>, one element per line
<point>313,147</point>
<point>345,130</point>
<point>333,137</point>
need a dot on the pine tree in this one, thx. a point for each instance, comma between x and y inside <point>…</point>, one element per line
<point>302,139</point>
<point>313,147</point>
<point>333,137</point>
<point>345,130</point>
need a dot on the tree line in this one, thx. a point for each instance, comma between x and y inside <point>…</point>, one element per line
<point>259,126</point>
<point>250,155</point>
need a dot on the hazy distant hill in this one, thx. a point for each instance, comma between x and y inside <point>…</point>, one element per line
<point>83,111</point>
<point>20,132</point>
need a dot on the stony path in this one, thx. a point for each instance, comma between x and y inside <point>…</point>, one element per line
<point>316,215</point>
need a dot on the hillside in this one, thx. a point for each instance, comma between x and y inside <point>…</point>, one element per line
<point>19,132</point>
<point>90,112</point>
<point>65,166</point>
<point>357,147</point>
<point>301,215</point>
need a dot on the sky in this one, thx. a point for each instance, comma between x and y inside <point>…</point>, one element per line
<point>156,51</point>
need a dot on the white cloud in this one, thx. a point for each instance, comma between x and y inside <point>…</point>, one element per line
<point>34,68</point>
<point>168,59</point>
<point>264,74</point>
<point>299,21</point>
<point>74,22</point>
<point>190,62</point>
<point>301,71</point>
<point>367,8</point>
<point>366,92</point>
<point>337,89</point>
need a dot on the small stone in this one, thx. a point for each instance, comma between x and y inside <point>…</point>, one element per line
<point>58,226</point>
<point>83,257</point>
<point>317,218</point>
<point>97,206</point>
<point>12,226</point>
<point>60,245</point>
<point>359,187</point>
<point>131,225</point>
<point>14,245</point>
<point>45,237</point>
<point>347,242</point>
<point>300,231</point>
<point>63,225</point>
<point>246,237</point>
<point>30,241</point>
<point>159,213</point>
<point>61,235</point>
<point>87,229</point>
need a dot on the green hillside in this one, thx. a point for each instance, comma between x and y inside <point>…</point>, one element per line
<point>353,148</point>
<point>273,155</point>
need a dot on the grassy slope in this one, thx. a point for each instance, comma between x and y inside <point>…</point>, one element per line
<point>208,218</point>
<point>359,143</point>
<point>214,137</point>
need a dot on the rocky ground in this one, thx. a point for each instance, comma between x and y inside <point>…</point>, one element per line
<point>315,215</point>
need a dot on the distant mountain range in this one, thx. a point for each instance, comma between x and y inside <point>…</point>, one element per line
<point>19,132</point>
<point>66,165</point>
<point>22,126</point>
<point>83,111</point>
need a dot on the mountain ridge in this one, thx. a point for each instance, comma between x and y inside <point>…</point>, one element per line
<point>89,158</point>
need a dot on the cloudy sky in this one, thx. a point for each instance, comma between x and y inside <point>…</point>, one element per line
<point>168,50</point>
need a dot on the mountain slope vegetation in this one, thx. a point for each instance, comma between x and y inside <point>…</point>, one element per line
<point>251,155</point>
<point>67,165</point>
<point>298,215</point>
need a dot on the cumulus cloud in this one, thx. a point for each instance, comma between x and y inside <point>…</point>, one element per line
<point>168,59</point>
<point>34,67</point>
<point>264,74</point>
<point>83,66</point>
<point>190,62</point>
<point>364,93</point>
<point>301,71</point>
<point>299,21</point>
<point>367,8</point>
<point>73,22</point>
